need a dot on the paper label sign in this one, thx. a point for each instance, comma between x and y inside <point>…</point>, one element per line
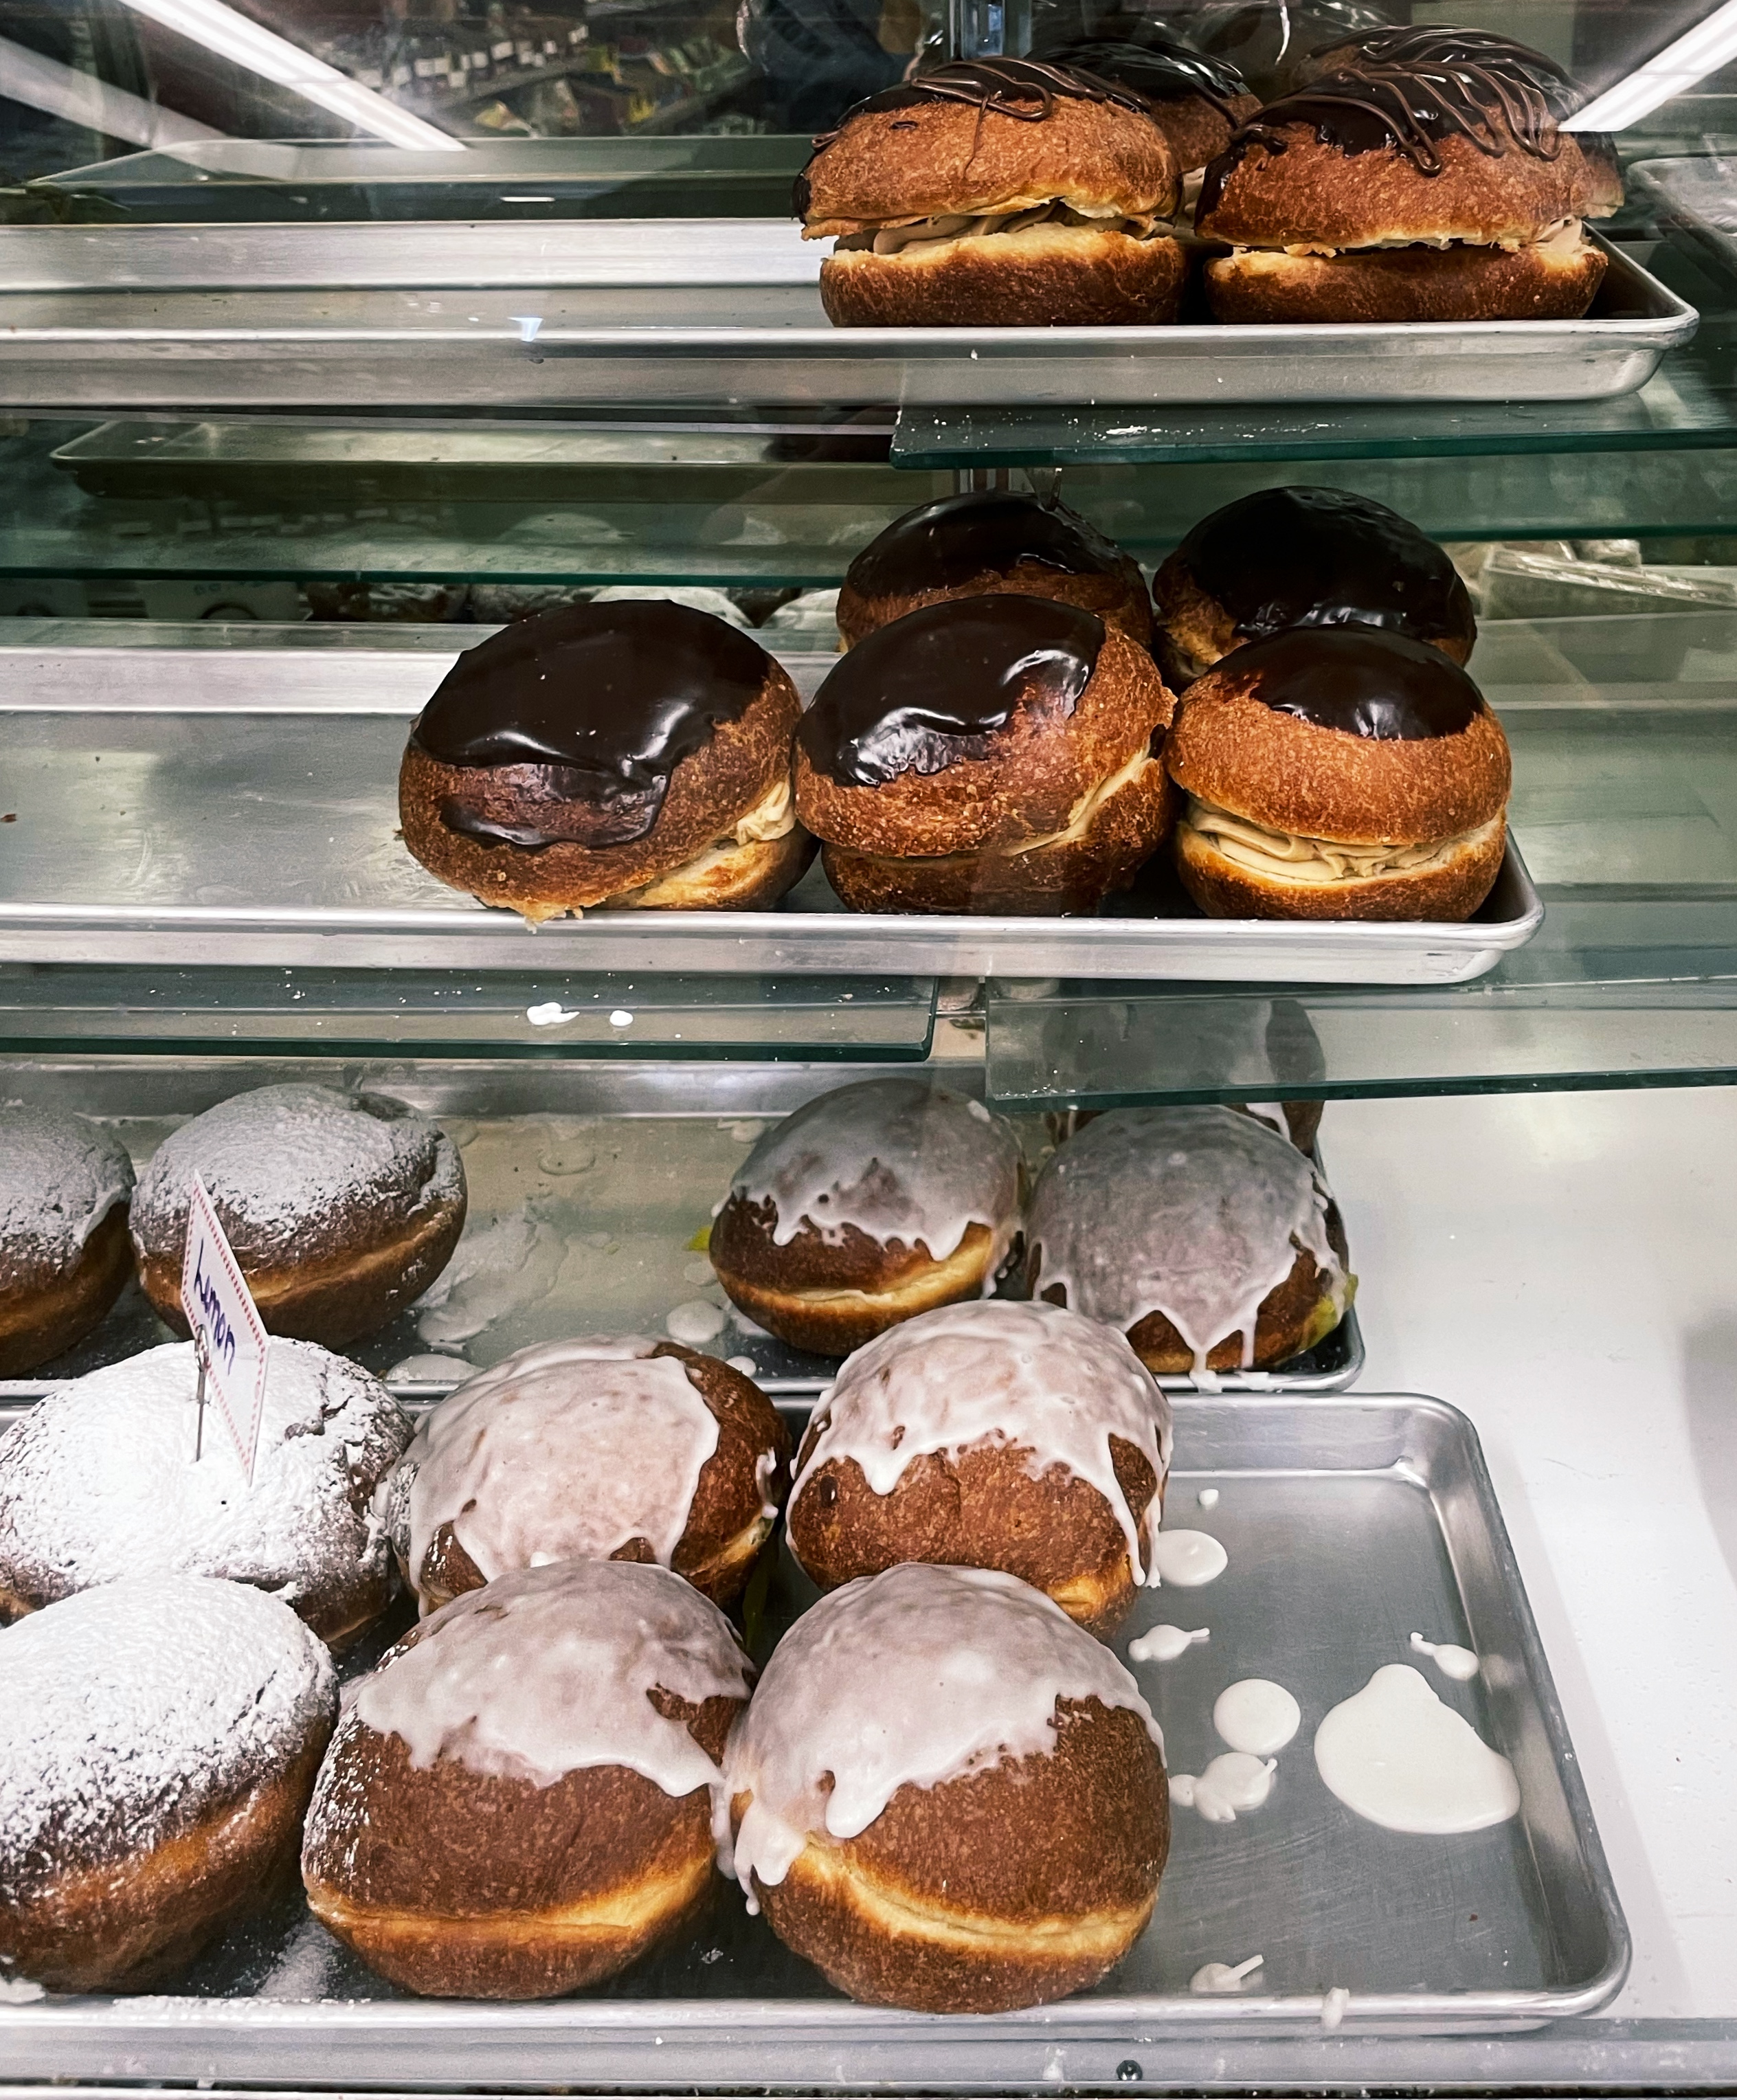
<point>227,1331</point>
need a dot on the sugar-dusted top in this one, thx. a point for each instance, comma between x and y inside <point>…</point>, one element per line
<point>547,1671</point>
<point>911,1678</point>
<point>281,1158</point>
<point>564,1451</point>
<point>129,1712</point>
<point>98,1481</point>
<point>60,1177</point>
<point>898,1158</point>
<point>1046,1382</point>
<point>1196,1213</point>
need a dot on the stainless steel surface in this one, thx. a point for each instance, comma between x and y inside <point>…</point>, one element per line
<point>705,310</point>
<point>1349,1523</point>
<point>227,805</point>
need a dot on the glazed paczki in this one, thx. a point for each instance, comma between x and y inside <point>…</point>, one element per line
<point>986,754</point>
<point>947,1796</point>
<point>603,1448</point>
<point>995,192</point>
<point>989,541</point>
<point>99,1482</point>
<point>870,1204</point>
<point>159,1739</point>
<point>521,1800</point>
<point>1339,772</point>
<point>627,753</point>
<point>1022,1437</point>
<point>1303,558</point>
<point>341,1208</point>
<point>1206,1238</point>
<point>64,1256</point>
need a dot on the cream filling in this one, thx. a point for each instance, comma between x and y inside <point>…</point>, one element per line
<point>893,238</point>
<point>1294,857</point>
<point>774,816</point>
<point>1080,820</point>
<point>1564,241</point>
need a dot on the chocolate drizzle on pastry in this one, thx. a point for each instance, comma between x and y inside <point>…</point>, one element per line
<point>931,689</point>
<point>1160,67</point>
<point>1324,557</point>
<point>1429,48</point>
<point>587,713</point>
<point>1362,681</point>
<point>948,542</point>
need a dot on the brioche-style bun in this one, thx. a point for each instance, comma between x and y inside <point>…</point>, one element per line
<point>1196,101</point>
<point>1043,276</point>
<point>1552,280</point>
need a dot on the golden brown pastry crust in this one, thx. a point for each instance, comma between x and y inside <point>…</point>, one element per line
<point>42,1314</point>
<point>1001,1889</point>
<point>1450,892</point>
<point>1545,281</point>
<point>1198,130</point>
<point>980,1508</point>
<point>710,792</point>
<point>1120,601</point>
<point>1046,276</point>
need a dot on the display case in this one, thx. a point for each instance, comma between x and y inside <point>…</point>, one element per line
<point>337,344</point>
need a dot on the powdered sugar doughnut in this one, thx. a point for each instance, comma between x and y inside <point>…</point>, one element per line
<point>159,1739</point>
<point>341,1208</point>
<point>99,1482</point>
<point>64,1249</point>
<point>603,1448</point>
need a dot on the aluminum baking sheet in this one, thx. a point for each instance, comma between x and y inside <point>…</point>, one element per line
<point>1350,1525</point>
<point>206,806</point>
<point>701,311</point>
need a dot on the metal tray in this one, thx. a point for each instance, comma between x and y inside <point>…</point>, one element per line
<point>1349,1523</point>
<point>691,310</point>
<point>227,805</point>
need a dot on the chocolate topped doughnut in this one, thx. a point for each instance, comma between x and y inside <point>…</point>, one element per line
<point>159,1738</point>
<point>1203,1234</point>
<point>1022,1437</point>
<point>990,540</point>
<point>521,1800</point>
<point>64,1256</point>
<point>341,1208</point>
<point>1305,557</point>
<point>947,1796</point>
<point>1196,101</point>
<point>992,753</point>
<point>98,1481</point>
<point>871,1203</point>
<point>995,192</point>
<point>604,1448</point>
<point>1339,772</point>
<point>628,753</point>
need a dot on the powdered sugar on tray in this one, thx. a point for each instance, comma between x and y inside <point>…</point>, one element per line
<point>59,1178</point>
<point>129,1712</point>
<point>279,1156</point>
<point>99,1481</point>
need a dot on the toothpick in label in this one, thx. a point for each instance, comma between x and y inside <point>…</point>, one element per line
<point>229,1337</point>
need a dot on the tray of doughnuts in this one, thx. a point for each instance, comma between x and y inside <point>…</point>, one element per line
<point>1271,765</point>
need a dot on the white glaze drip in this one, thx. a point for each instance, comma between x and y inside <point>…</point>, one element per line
<point>1046,1382</point>
<point>547,1670</point>
<point>1165,1643</point>
<point>1187,1560</point>
<point>1457,1663</point>
<point>1333,2006</point>
<point>911,1678</point>
<point>1397,1756</point>
<point>1196,1213</point>
<point>1232,1785</point>
<point>1218,1978</point>
<point>898,1158</point>
<point>1256,1716</point>
<point>1208,1498</point>
<point>565,1451</point>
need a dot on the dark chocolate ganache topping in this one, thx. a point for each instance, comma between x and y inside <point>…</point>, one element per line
<point>1360,679</point>
<point>1026,89</point>
<point>1325,558</point>
<point>593,709</point>
<point>949,542</point>
<point>1428,47</point>
<point>923,692</point>
<point>1158,66</point>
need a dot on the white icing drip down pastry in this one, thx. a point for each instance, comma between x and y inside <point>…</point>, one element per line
<point>1196,1213</point>
<point>898,1158</point>
<point>565,1451</point>
<point>547,1671</point>
<point>911,1678</point>
<point>1037,1377</point>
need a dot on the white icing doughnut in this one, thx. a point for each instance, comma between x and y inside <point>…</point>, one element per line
<point>1043,1379</point>
<point>1196,1213</point>
<point>129,1712</point>
<point>98,1481</point>
<point>547,1671</point>
<point>908,1678</point>
<point>59,1178</point>
<point>898,1158</point>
